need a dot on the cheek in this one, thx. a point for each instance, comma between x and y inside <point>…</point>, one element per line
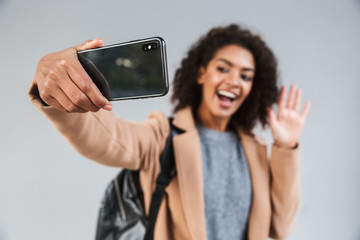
<point>207,94</point>
<point>209,85</point>
<point>247,88</point>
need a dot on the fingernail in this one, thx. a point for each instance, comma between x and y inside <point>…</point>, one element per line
<point>108,107</point>
<point>99,39</point>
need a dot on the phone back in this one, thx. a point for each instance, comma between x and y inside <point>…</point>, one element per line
<point>135,69</point>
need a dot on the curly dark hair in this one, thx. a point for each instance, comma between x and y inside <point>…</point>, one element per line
<point>264,92</point>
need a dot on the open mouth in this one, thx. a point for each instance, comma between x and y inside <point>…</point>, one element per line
<point>226,96</point>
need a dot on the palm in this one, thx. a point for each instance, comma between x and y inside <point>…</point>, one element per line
<point>286,126</point>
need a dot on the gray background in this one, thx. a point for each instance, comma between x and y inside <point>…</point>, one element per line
<point>48,191</point>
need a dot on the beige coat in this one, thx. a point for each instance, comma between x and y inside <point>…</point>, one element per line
<point>112,141</point>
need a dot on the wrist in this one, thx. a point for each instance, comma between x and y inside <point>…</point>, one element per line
<point>285,145</point>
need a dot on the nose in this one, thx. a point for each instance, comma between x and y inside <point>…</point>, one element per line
<point>234,78</point>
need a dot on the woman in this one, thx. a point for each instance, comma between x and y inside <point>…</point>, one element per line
<point>226,187</point>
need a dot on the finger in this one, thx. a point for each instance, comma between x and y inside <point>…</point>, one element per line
<point>50,101</point>
<point>76,96</point>
<point>89,44</point>
<point>297,100</point>
<point>305,110</point>
<point>67,104</point>
<point>281,102</point>
<point>54,96</point>
<point>273,122</point>
<point>53,102</point>
<point>291,97</point>
<point>82,80</point>
<point>271,115</point>
<point>59,78</point>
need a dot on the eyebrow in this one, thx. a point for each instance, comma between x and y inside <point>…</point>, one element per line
<point>231,64</point>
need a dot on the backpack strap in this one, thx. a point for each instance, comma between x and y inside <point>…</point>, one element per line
<point>168,171</point>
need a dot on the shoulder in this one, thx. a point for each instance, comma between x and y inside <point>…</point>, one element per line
<point>158,116</point>
<point>159,120</point>
<point>252,137</point>
<point>158,126</point>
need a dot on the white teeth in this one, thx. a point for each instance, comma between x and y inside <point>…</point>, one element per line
<point>226,94</point>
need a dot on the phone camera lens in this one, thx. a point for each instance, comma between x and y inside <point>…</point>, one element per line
<point>150,46</point>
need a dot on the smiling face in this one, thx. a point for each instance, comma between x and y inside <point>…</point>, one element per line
<point>226,82</point>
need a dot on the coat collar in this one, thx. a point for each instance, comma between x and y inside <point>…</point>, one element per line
<point>184,119</point>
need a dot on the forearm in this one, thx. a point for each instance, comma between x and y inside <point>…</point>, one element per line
<point>103,137</point>
<point>284,165</point>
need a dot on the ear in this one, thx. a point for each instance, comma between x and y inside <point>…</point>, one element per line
<point>200,77</point>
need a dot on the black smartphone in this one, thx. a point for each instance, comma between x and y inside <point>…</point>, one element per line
<point>130,70</point>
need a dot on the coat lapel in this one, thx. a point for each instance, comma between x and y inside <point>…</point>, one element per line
<point>260,214</point>
<point>187,151</point>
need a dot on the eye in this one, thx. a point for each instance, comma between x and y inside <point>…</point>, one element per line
<point>246,77</point>
<point>222,69</point>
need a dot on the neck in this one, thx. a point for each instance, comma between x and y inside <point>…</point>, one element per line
<point>212,122</point>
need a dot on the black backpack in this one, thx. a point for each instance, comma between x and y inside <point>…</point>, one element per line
<point>122,213</point>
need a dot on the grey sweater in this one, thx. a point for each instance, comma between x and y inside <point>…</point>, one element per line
<point>227,185</point>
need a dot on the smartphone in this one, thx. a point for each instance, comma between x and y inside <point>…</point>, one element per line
<point>130,70</point>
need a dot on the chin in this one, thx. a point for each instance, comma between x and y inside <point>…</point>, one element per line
<point>225,113</point>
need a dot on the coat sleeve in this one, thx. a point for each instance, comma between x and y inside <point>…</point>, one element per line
<point>284,167</point>
<point>109,140</point>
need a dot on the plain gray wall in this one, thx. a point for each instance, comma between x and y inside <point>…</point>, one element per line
<point>48,191</point>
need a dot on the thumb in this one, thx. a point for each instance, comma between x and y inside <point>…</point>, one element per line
<point>271,116</point>
<point>89,44</point>
<point>273,123</point>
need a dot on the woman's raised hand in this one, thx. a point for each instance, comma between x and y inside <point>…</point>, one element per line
<point>63,83</point>
<point>286,126</point>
